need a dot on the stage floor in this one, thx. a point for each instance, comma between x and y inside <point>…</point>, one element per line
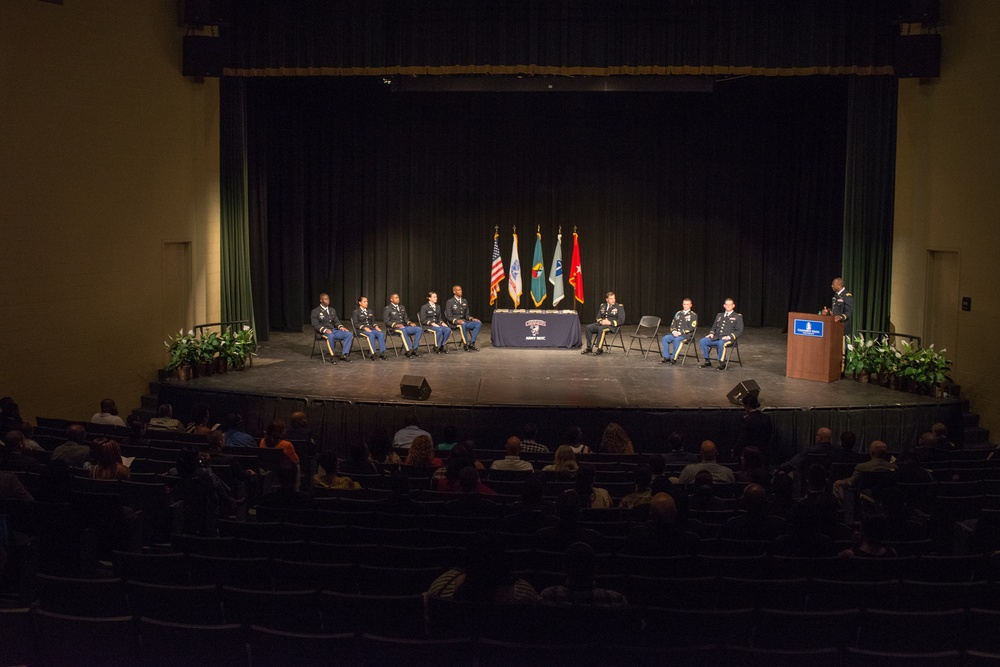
<point>546,378</point>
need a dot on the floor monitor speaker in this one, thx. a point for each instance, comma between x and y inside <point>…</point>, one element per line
<point>414,387</point>
<point>742,390</point>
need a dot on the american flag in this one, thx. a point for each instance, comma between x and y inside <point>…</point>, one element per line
<point>497,273</point>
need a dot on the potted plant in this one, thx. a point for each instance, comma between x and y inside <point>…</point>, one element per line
<point>243,347</point>
<point>910,369</point>
<point>858,359</point>
<point>938,367</point>
<point>183,351</point>
<point>208,348</point>
<point>222,356</point>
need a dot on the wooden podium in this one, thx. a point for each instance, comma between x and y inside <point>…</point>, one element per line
<point>815,347</point>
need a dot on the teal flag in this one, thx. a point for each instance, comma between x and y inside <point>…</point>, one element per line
<point>538,289</point>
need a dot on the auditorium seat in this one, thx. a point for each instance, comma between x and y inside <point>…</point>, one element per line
<point>171,644</point>
<point>83,641</point>
<point>583,624</point>
<point>834,595</point>
<point>204,546</point>
<point>863,658</point>
<point>912,631</point>
<point>782,629</point>
<point>400,616</point>
<point>871,569</point>
<point>293,611</point>
<point>152,568</point>
<point>323,552</point>
<point>295,575</point>
<point>732,566</point>
<point>443,557</point>
<point>939,596</point>
<point>737,656</point>
<point>651,566</point>
<point>269,549</point>
<point>252,530</point>
<point>396,580</point>
<point>981,659</point>
<point>223,571</point>
<point>199,605</point>
<point>81,597</point>
<point>378,651</point>
<point>332,534</point>
<point>275,648</point>
<point>948,568</point>
<point>17,647</point>
<point>785,594</point>
<point>675,592</point>
<point>682,627</point>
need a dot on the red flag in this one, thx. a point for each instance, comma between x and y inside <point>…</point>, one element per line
<point>496,273</point>
<point>576,271</point>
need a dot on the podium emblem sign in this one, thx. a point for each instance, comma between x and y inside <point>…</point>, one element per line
<point>808,328</point>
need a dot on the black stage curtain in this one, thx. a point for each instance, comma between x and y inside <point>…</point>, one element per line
<point>574,37</point>
<point>355,189</point>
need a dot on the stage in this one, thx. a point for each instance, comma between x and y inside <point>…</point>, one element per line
<point>488,394</point>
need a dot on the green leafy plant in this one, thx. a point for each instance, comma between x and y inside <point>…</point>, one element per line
<point>184,348</point>
<point>938,366</point>
<point>859,355</point>
<point>208,346</point>
<point>241,345</point>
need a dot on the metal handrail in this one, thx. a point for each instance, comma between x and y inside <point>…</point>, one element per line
<point>232,324</point>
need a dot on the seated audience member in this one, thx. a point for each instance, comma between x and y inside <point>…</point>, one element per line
<point>11,488</point>
<point>76,452</point>
<point>563,464</point>
<point>660,535</point>
<point>400,502</point>
<point>870,540</point>
<point>471,502</point>
<point>580,591</point>
<point>203,497</point>
<point>512,460</point>
<point>929,449</point>
<point>55,483</point>
<point>108,414</point>
<point>756,429</point>
<point>28,431</point>
<point>574,440</point>
<point>940,432</point>
<point>136,432</point>
<point>286,497</point>
<point>567,529</point>
<point>782,494</point>
<point>274,438</point>
<point>615,440</point>
<point>232,427</point>
<point>10,415</point>
<point>529,513</point>
<point>164,420</point>
<point>380,448</point>
<point>327,477</point>
<point>878,462</point>
<point>756,523</point>
<point>709,454</point>
<point>485,576</point>
<point>702,496</point>
<point>470,447</point>
<point>411,429</point>
<point>661,481</point>
<point>752,468</point>
<point>359,461</point>
<point>590,495</point>
<point>421,454</point>
<point>817,508</point>
<point>903,523</point>
<point>214,456</point>
<point>803,540</point>
<point>675,450</point>
<point>451,481</point>
<point>847,453</point>
<point>821,446</point>
<point>642,495</point>
<point>108,462</point>
<point>909,470</point>
<point>13,458</point>
<point>528,443</point>
<point>200,420</point>
<point>299,431</point>
<point>449,439</point>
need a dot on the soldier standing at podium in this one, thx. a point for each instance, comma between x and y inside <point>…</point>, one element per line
<point>842,306</point>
